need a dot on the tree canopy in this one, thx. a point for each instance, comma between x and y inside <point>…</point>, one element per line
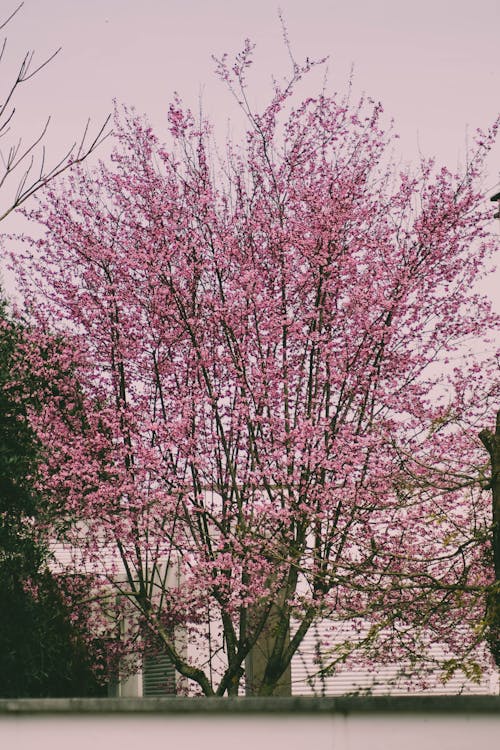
<point>278,399</point>
<point>42,651</point>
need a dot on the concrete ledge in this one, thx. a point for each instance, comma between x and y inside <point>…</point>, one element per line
<point>412,704</point>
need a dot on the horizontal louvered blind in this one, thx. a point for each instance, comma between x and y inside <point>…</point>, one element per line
<point>158,675</point>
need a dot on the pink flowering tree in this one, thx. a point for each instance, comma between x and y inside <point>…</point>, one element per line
<point>278,368</point>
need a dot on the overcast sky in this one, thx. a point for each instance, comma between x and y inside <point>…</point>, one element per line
<point>434,64</point>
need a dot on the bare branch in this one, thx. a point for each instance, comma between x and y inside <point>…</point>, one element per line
<point>4,23</point>
<point>27,75</point>
<point>24,157</point>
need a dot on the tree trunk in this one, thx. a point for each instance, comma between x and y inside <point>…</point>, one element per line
<point>491,441</point>
<point>260,678</point>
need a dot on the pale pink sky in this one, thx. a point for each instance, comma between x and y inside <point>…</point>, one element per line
<point>434,64</point>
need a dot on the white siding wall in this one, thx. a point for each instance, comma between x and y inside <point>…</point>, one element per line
<point>382,680</point>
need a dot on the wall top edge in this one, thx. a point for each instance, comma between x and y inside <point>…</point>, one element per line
<point>411,704</point>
